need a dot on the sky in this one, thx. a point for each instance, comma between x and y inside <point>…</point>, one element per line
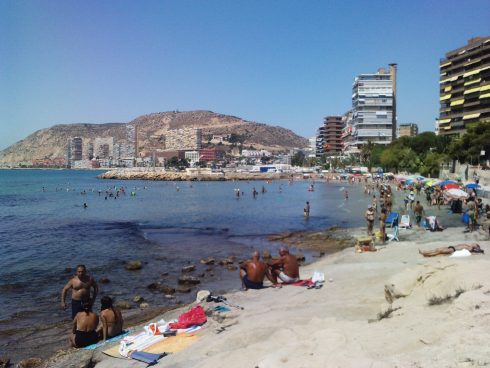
<point>285,63</point>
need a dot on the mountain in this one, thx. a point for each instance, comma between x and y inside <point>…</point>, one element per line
<point>52,142</point>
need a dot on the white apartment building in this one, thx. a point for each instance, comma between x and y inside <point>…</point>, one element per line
<point>374,108</point>
<point>182,139</point>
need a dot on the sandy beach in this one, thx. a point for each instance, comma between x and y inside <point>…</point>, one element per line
<point>389,308</point>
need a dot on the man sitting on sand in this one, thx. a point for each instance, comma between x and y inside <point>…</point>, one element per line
<point>473,248</point>
<point>81,285</point>
<point>285,268</point>
<point>252,273</point>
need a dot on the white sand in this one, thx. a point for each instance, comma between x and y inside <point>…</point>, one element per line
<point>329,327</point>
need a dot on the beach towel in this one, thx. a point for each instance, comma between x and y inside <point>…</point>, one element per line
<point>196,316</point>
<point>318,277</point>
<point>461,253</point>
<point>405,222</point>
<point>112,339</point>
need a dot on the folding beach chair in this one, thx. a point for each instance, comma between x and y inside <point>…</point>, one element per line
<point>394,235</point>
<point>391,219</point>
<point>405,222</point>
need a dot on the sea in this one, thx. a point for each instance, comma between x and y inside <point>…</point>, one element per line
<point>53,220</point>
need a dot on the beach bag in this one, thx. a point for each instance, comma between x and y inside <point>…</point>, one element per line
<point>465,218</point>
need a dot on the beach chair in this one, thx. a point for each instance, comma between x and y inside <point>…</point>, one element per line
<point>391,219</point>
<point>405,222</point>
<point>394,235</point>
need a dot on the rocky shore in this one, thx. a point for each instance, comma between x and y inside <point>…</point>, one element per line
<point>188,175</point>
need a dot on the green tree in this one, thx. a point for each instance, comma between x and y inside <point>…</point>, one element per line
<point>298,159</point>
<point>432,163</point>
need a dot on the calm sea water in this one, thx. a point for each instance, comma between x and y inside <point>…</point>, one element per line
<point>45,231</point>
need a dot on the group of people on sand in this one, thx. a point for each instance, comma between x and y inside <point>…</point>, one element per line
<point>88,328</point>
<point>281,270</point>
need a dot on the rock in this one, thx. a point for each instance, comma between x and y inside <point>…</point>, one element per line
<point>208,261</point>
<point>169,296</point>
<point>184,289</point>
<point>189,268</point>
<point>138,299</point>
<point>188,280</point>
<point>29,363</point>
<point>104,280</point>
<point>134,265</point>
<point>4,362</point>
<point>68,270</point>
<point>144,305</point>
<point>123,304</point>
<point>266,254</point>
<point>231,268</point>
<point>209,269</point>
<point>211,274</point>
<point>163,274</point>
<point>166,289</point>
<point>300,257</point>
<point>201,275</point>
<point>227,261</point>
<point>154,286</point>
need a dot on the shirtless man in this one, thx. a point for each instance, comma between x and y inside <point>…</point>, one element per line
<point>81,285</point>
<point>285,268</point>
<point>473,248</point>
<point>252,273</point>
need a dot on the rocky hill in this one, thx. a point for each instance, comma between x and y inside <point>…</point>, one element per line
<point>52,142</point>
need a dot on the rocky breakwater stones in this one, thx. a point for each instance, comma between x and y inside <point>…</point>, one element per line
<point>189,268</point>
<point>123,304</point>
<point>156,286</point>
<point>208,261</point>
<point>188,280</point>
<point>134,265</point>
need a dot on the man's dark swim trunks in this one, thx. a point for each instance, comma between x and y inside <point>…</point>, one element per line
<point>250,284</point>
<point>76,306</point>
<point>85,338</point>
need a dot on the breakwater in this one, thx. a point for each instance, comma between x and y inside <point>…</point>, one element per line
<point>188,175</point>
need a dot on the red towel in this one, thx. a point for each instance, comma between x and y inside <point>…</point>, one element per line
<point>307,282</point>
<point>195,316</point>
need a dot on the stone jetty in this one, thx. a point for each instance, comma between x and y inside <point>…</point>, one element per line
<point>187,175</point>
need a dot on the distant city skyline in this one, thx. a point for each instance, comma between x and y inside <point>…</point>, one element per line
<point>286,63</point>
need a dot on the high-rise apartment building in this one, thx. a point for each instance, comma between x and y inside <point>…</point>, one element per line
<point>332,135</point>
<point>320,141</point>
<point>465,87</point>
<point>374,108</point>
<point>408,130</point>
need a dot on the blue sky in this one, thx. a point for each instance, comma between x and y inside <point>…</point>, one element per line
<point>286,63</point>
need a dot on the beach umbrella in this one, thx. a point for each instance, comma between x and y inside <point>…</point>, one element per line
<point>457,193</point>
<point>409,181</point>
<point>451,186</point>
<point>472,186</point>
<point>430,182</point>
<point>446,182</point>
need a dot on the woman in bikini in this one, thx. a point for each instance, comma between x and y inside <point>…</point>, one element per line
<point>111,318</point>
<point>473,248</point>
<point>84,327</point>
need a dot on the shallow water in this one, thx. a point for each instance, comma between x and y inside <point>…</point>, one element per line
<point>45,232</point>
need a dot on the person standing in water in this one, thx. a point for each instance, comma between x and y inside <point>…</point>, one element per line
<point>81,286</point>
<point>306,210</point>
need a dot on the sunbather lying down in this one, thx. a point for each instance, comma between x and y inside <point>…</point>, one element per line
<point>473,248</point>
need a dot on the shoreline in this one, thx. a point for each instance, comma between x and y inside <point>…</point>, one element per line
<point>335,259</point>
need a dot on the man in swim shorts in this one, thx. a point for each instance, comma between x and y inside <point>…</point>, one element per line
<point>285,268</point>
<point>252,272</point>
<point>81,286</point>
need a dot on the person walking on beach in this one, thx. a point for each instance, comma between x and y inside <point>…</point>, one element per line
<point>418,211</point>
<point>253,271</point>
<point>81,286</point>
<point>285,268</point>
<point>370,220</point>
<point>382,225</point>
<point>306,210</point>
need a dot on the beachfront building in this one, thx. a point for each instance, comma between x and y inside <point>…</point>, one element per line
<point>320,141</point>
<point>346,136</point>
<point>332,135</point>
<point>407,130</point>
<point>311,152</point>
<point>74,150</point>
<point>183,139</point>
<point>374,108</point>
<point>465,87</point>
<point>210,154</point>
<point>192,157</point>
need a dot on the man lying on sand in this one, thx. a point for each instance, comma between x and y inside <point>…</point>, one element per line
<point>285,268</point>
<point>473,248</point>
<point>252,273</point>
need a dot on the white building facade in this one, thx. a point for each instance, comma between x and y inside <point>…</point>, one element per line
<point>373,109</point>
